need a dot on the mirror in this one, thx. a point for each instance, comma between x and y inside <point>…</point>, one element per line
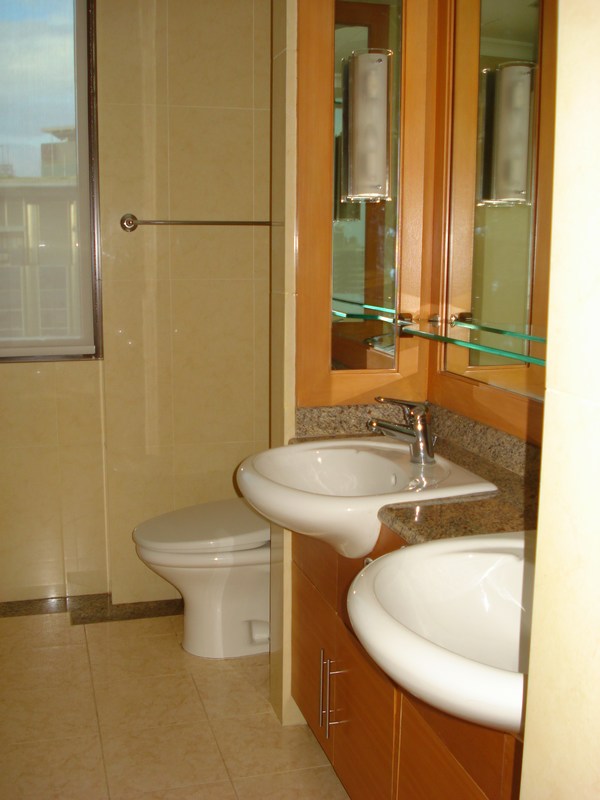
<point>365,206</point>
<point>497,271</point>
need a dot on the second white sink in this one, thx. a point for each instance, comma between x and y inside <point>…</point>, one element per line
<point>450,621</point>
<point>333,489</point>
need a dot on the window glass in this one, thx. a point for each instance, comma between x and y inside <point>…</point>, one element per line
<point>47,265</point>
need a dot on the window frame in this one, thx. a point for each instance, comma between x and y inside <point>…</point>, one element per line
<point>87,152</point>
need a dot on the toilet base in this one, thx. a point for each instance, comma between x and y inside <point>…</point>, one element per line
<point>229,617</point>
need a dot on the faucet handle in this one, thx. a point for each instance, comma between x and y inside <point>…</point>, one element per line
<point>405,403</point>
<point>411,410</point>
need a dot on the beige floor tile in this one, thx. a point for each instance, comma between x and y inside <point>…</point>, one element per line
<point>215,666</point>
<point>161,759</point>
<point>42,713</point>
<point>126,630</point>
<point>260,745</point>
<point>62,769</point>
<point>320,783</point>
<point>44,630</point>
<point>259,660</point>
<point>229,694</point>
<point>255,669</point>
<point>150,700</point>
<point>127,705</point>
<point>207,791</point>
<point>206,667</point>
<point>121,657</point>
<point>177,625</point>
<point>51,667</point>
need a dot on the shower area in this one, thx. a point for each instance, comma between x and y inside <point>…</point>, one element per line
<point>90,448</point>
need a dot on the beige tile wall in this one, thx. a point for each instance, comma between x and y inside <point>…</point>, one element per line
<point>562,725</point>
<point>51,480</point>
<point>283,406</point>
<point>184,130</point>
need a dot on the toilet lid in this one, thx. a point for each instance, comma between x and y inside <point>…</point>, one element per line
<point>220,526</point>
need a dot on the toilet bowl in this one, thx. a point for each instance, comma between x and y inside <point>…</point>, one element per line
<point>217,555</point>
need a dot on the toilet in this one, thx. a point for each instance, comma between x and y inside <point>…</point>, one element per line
<point>217,555</point>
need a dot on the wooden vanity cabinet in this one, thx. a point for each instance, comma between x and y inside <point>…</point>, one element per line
<point>382,742</point>
<point>313,646</point>
<point>367,705</point>
<point>346,699</point>
<point>428,771</point>
<point>446,758</point>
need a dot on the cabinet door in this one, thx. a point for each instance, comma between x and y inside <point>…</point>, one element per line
<point>318,561</point>
<point>428,770</point>
<point>492,758</point>
<point>366,722</point>
<point>313,639</point>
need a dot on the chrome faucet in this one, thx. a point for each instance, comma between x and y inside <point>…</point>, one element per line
<point>416,429</point>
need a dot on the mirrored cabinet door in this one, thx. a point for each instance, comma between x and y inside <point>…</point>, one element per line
<point>497,260</point>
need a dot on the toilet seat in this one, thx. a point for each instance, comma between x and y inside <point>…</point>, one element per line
<point>217,556</point>
<point>223,526</point>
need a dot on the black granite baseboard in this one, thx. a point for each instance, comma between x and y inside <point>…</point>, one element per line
<point>89,608</point>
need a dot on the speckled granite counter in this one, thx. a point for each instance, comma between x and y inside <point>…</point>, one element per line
<point>512,508</point>
<point>502,459</point>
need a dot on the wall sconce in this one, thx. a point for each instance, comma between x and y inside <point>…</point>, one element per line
<point>505,104</point>
<point>512,145</point>
<point>367,126</point>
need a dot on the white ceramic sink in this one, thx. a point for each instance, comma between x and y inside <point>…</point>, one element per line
<point>333,489</point>
<point>450,621</point>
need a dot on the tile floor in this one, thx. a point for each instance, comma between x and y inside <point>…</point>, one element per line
<point>117,710</point>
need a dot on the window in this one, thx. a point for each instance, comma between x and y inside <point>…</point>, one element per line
<point>48,256</point>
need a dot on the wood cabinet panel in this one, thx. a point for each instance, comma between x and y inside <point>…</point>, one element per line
<point>348,568</point>
<point>331,573</point>
<point>366,732</point>
<point>428,770</point>
<point>491,757</point>
<point>318,561</point>
<point>382,743</point>
<point>316,382</point>
<point>313,630</point>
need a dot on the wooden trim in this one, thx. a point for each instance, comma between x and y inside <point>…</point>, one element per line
<point>316,25</point>
<point>375,17</point>
<point>512,413</point>
<point>316,383</point>
<point>517,414</point>
<point>545,171</point>
<point>463,154</point>
<point>424,232</point>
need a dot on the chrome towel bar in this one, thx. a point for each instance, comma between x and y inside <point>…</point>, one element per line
<point>129,222</point>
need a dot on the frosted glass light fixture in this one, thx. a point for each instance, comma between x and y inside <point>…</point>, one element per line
<point>512,141</point>
<point>367,126</point>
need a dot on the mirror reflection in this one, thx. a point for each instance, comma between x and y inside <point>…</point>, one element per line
<point>365,207</point>
<point>493,306</point>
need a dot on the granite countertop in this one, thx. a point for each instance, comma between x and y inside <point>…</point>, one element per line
<point>512,508</point>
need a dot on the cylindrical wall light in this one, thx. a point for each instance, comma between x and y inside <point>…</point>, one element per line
<point>512,141</point>
<point>367,126</point>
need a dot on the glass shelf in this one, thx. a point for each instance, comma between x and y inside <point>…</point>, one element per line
<point>432,331</point>
<point>352,309</point>
<point>500,331</point>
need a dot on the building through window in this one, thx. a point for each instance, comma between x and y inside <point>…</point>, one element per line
<point>48,268</point>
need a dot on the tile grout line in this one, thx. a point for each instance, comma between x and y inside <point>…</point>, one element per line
<point>100,736</point>
<point>209,723</point>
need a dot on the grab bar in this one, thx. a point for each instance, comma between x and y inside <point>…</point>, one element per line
<point>129,222</point>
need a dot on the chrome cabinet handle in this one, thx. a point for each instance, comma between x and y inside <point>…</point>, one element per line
<point>321,710</point>
<point>328,673</point>
<point>327,697</point>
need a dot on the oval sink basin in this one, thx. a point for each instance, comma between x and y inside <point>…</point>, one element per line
<point>450,621</point>
<point>333,489</point>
